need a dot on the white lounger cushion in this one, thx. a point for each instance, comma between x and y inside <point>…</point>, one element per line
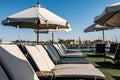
<point>3,75</point>
<point>16,64</point>
<point>46,56</point>
<point>63,66</point>
<point>38,58</point>
<point>81,72</point>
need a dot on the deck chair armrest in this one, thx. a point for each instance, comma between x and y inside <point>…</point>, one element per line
<point>44,73</point>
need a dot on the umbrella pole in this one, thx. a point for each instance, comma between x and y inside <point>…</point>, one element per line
<point>79,40</point>
<point>103,36</point>
<point>37,36</point>
<point>18,33</point>
<point>52,38</point>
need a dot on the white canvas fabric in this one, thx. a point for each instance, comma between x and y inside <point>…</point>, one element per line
<point>46,31</point>
<point>3,75</point>
<point>30,18</point>
<point>40,13</point>
<point>15,63</point>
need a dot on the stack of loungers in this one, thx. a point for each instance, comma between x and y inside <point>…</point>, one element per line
<point>18,67</point>
<point>65,50</point>
<point>61,51</point>
<point>68,50</point>
<point>57,56</point>
<point>63,70</point>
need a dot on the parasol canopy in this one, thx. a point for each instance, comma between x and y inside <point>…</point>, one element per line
<point>36,17</point>
<point>110,16</point>
<point>97,27</point>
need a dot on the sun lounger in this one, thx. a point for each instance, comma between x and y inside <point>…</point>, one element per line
<point>63,70</point>
<point>15,63</point>
<point>68,50</point>
<point>60,59</point>
<point>100,49</point>
<point>3,75</point>
<point>43,55</point>
<point>19,68</point>
<point>113,48</point>
<point>61,52</point>
<point>115,57</point>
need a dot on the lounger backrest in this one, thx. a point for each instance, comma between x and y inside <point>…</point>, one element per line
<point>28,56</point>
<point>53,54</point>
<point>47,58</point>
<point>117,53</point>
<point>15,63</point>
<point>3,75</point>
<point>58,49</point>
<point>100,48</point>
<point>38,58</point>
<point>113,48</point>
<point>62,49</point>
<point>56,52</point>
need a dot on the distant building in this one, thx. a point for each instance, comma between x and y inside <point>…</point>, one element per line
<point>77,42</point>
<point>0,40</point>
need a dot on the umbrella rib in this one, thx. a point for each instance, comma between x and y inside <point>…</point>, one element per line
<point>43,18</point>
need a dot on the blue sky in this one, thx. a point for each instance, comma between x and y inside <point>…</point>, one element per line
<point>79,13</point>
